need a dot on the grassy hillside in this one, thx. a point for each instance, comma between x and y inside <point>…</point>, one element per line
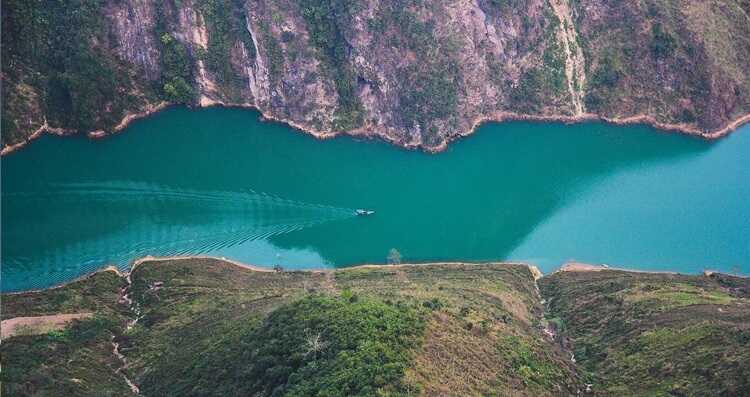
<point>207,327</point>
<point>76,361</point>
<point>201,327</point>
<point>637,334</point>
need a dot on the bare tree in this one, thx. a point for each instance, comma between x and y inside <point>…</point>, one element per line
<point>394,257</point>
<point>315,344</point>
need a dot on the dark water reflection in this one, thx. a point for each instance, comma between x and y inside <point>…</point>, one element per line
<point>220,182</point>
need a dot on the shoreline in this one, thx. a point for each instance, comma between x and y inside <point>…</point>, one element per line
<point>369,131</point>
<point>535,272</point>
<point>589,267</point>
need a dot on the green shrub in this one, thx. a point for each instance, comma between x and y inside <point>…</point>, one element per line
<point>325,21</point>
<point>319,345</point>
<point>225,20</point>
<point>663,43</point>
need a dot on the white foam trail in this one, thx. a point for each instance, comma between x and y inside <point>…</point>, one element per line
<point>223,219</point>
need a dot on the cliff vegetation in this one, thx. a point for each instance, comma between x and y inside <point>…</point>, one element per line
<point>416,73</point>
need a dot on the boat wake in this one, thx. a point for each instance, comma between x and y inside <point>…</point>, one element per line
<point>118,222</point>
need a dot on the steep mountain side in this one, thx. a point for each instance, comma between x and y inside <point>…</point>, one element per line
<point>415,73</point>
<point>640,334</point>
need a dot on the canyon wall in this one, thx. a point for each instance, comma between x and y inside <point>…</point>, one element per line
<point>415,73</point>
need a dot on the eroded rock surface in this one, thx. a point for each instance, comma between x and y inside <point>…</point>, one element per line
<point>416,73</point>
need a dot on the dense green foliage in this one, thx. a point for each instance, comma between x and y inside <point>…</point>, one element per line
<point>60,49</point>
<point>176,70</point>
<point>275,54</point>
<point>364,347</point>
<point>536,370</point>
<point>319,345</point>
<point>326,20</point>
<point>540,85</point>
<point>225,20</point>
<point>663,44</point>
<point>606,77</point>
<point>175,84</point>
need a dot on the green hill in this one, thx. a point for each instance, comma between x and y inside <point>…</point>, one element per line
<point>198,327</point>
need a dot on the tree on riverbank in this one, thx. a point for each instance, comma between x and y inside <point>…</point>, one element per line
<point>394,257</point>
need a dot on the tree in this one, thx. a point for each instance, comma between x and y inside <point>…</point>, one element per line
<point>315,344</point>
<point>394,257</point>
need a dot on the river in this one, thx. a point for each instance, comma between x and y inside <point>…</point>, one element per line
<point>221,182</point>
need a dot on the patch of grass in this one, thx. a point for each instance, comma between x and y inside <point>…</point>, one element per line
<point>673,296</point>
<point>536,371</point>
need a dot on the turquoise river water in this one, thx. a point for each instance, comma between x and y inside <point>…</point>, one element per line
<point>220,182</point>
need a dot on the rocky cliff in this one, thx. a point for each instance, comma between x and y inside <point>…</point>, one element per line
<point>416,73</point>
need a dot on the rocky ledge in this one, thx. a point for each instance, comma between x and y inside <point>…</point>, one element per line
<point>418,74</point>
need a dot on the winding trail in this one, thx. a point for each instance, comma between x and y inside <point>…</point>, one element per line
<point>133,307</point>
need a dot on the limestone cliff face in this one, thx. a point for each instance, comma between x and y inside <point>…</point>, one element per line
<point>416,73</point>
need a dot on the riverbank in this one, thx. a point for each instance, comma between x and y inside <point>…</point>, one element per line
<point>371,131</point>
<point>534,270</point>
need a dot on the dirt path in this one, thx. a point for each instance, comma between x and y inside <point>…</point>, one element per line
<point>125,299</point>
<point>574,62</point>
<point>38,325</point>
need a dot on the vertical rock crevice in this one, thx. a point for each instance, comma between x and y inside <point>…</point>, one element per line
<point>575,72</point>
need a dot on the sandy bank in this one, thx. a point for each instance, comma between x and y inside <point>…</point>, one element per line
<point>149,258</point>
<point>586,267</point>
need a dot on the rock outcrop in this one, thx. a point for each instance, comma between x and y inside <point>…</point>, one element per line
<point>415,73</point>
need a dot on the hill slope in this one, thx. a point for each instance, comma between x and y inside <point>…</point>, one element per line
<point>640,334</point>
<point>208,327</point>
